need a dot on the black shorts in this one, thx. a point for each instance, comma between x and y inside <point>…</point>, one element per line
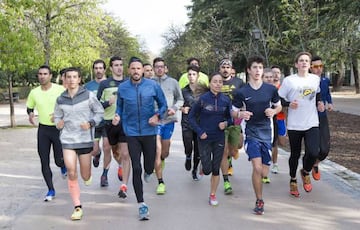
<point>83,150</point>
<point>114,133</point>
<point>100,131</point>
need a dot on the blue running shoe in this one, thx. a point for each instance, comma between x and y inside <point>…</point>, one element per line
<point>49,196</point>
<point>259,207</point>
<point>63,172</point>
<point>143,212</point>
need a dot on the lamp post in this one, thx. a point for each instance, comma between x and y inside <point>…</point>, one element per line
<point>256,33</point>
<point>259,37</point>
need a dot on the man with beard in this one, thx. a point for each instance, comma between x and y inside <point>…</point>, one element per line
<point>99,68</point>
<point>232,132</point>
<point>136,100</point>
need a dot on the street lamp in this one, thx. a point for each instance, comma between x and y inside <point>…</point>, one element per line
<point>259,37</point>
<point>256,33</point>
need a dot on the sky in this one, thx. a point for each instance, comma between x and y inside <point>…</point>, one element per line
<point>149,19</point>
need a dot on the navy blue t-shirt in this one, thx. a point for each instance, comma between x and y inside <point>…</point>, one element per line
<point>259,126</point>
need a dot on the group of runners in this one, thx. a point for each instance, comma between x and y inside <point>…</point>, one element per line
<point>135,115</point>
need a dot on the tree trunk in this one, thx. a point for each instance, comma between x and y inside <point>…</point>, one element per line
<point>339,77</point>
<point>12,111</point>
<point>355,66</point>
<point>47,45</point>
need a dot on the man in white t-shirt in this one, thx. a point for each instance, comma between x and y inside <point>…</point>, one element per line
<point>301,90</point>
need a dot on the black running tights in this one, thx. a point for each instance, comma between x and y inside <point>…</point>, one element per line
<point>47,136</point>
<point>311,141</point>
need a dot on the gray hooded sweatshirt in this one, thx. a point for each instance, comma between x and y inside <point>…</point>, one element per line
<point>83,107</point>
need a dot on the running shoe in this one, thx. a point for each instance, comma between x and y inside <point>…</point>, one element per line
<point>123,191</point>
<point>306,180</point>
<point>188,163</point>
<point>259,207</point>
<point>120,173</point>
<point>50,195</point>
<point>212,200</point>
<point>275,169</point>
<point>161,189</point>
<point>294,189</point>
<point>316,173</point>
<point>104,181</point>
<point>96,160</point>
<point>227,188</point>
<point>194,175</point>
<point>77,214</point>
<point>88,182</point>
<point>265,180</point>
<point>143,212</point>
<point>63,172</point>
<point>147,177</point>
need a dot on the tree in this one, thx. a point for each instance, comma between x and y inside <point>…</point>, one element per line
<point>18,50</point>
<point>119,41</point>
<point>63,27</point>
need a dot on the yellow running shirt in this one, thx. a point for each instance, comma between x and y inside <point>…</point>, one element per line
<point>44,102</point>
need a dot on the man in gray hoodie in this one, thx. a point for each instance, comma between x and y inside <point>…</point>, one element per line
<point>175,100</point>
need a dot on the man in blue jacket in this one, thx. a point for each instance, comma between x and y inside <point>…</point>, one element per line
<point>317,68</point>
<point>135,108</point>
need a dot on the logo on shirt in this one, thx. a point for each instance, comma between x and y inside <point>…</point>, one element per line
<point>247,98</point>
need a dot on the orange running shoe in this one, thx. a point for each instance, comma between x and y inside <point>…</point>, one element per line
<point>316,173</point>
<point>306,180</point>
<point>294,189</point>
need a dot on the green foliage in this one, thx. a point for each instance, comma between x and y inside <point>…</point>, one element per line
<point>118,41</point>
<point>329,28</point>
<point>61,34</point>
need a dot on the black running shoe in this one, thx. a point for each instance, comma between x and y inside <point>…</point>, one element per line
<point>96,160</point>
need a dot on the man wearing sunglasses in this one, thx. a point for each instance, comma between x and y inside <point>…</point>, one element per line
<point>317,68</point>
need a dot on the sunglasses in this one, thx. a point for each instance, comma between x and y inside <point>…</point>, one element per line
<point>317,66</point>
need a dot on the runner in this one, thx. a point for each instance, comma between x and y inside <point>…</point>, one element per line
<point>43,99</point>
<point>116,136</point>
<point>254,103</point>
<point>77,112</point>
<point>232,132</point>
<point>99,68</point>
<point>175,100</point>
<point>191,93</point>
<point>317,68</point>
<point>136,110</point>
<point>301,90</point>
<point>209,117</point>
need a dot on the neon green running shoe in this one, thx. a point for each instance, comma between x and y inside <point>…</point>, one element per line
<point>161,189</point>
<point>77,214</point>
<point>88,182</point>
<point>227,188</point>
<point>265,180</point>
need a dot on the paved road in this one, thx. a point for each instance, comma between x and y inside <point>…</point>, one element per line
<point>333,203</point>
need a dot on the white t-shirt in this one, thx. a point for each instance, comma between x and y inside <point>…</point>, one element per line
<point>302,89</point>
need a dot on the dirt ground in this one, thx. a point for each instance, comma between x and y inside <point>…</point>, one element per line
<point>345,140</point>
